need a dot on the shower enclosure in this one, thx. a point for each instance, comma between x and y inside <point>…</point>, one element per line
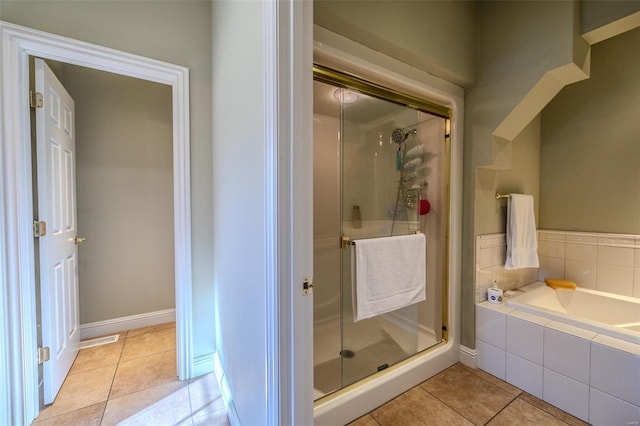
<point>381,167</point>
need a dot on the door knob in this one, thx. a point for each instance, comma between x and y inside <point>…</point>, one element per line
<point>77,240</point>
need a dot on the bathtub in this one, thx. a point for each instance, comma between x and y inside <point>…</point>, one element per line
<point>603,313</point>
<point>576,349</point>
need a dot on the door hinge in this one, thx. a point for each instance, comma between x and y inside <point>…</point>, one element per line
<point>44,354</point>
<point>35,99</point>
<point>39,229</point>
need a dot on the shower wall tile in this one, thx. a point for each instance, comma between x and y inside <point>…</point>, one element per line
<point>490,250</point>
<point>620,240</point>
<point>551,253</point>
<point>582,272</point>
<point>600,261</point>
<point>581,237</point>
<point>551,235</point>
<point>515,278</point>
<point>551,267</point>
<point>611,255</point>
<point>551,248</point>
<point>580,251</point>
<point>490,259</point>
<point>615,279</point>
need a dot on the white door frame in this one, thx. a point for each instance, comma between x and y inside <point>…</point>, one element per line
<point>18,336</point>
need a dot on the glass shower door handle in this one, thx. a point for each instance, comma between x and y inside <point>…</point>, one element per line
<point>345,242</point>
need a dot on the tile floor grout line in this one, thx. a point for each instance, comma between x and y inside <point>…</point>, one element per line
<point>444,403</point>
<point>501,410</point>
<point>113,379</point>
<point>514,397</point>
<point>374,419</point>
<point>129,360</point>
<point>547,412</point>
<point>109,397</point>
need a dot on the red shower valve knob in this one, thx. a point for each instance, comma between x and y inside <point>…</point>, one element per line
<point>424,207</point>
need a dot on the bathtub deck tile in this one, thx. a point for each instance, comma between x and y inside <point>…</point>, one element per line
<point>525,335</point>
<point>571,330</point>
<point>621,345</point>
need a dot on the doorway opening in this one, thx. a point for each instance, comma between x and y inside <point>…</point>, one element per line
<point>120,275</point>
<point>18,276</point>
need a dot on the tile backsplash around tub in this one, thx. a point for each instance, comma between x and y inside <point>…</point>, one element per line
<point>598,261</point>
<point>491,251</point>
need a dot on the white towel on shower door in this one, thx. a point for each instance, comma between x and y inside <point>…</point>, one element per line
<point>387,273</point>
<point>522,241</point>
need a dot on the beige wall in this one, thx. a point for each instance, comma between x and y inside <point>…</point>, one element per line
<point>597,13</point>
<point>173,31</point>
<point>125,193</point>
<point>519,43</point>
<point>590,150</point>
<point>239,222</point>
<point>522,178</point>
<point>436,36</point>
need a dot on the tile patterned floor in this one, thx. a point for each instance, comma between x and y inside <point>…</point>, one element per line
<point>463,396</point>
<point>133,382</point>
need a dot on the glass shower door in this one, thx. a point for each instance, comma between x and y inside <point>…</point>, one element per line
<point>379,198</point>
<point>379,167</point>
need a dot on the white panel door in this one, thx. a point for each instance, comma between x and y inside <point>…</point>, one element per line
<point>57,207</point>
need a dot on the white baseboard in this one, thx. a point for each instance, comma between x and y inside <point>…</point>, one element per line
<point>117,325</point>
<point>227,398</point>
<point>468,356</point>
<point>203,364</point>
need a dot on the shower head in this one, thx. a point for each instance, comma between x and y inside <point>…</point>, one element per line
<point>399,135</point>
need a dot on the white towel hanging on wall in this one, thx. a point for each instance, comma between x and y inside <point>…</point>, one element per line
<point>522,241</point>
<point>387,273</point>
